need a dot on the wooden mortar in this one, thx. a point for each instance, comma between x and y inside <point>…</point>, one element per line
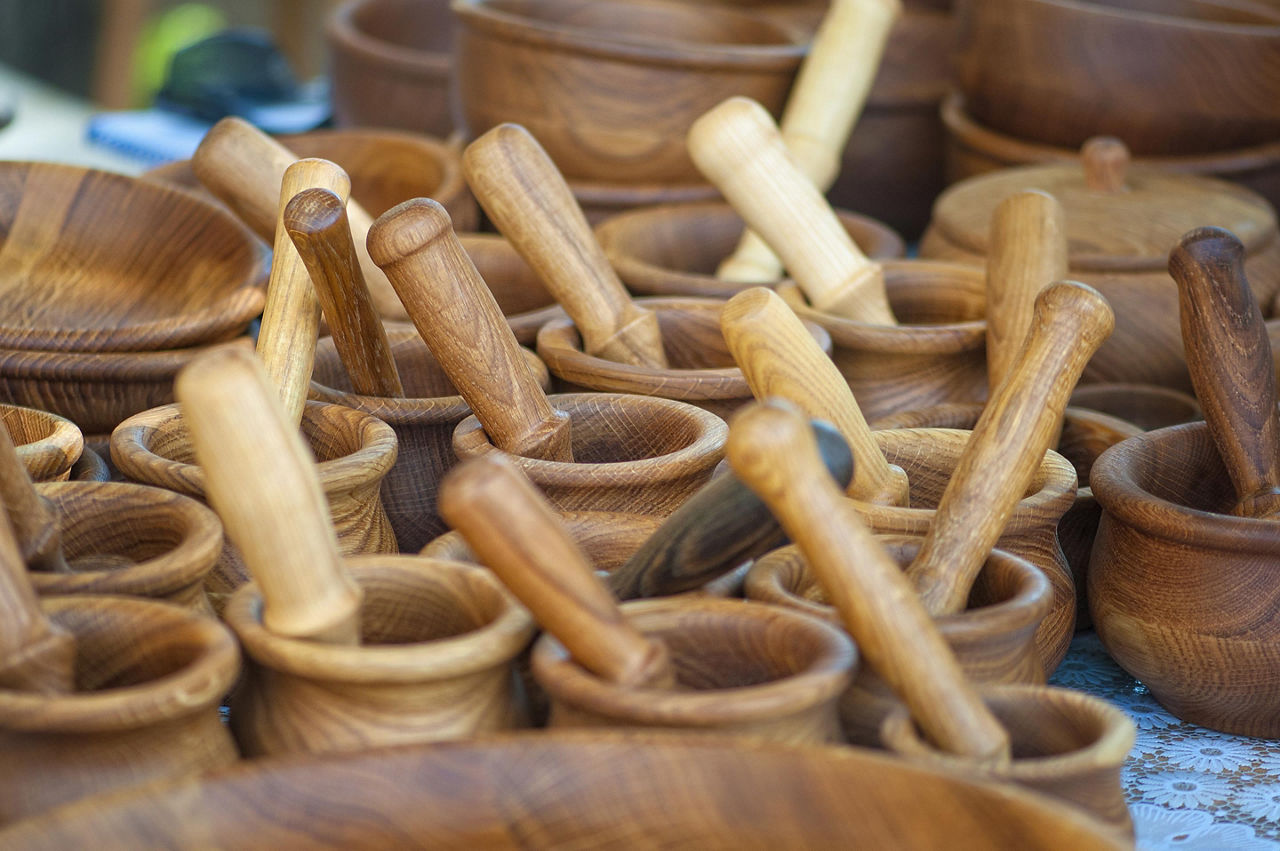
<point>48,445</point>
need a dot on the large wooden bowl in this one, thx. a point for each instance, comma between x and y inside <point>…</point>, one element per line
<point>92,261</point>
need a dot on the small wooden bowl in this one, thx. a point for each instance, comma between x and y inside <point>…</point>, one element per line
<point>993,639</point>
<point>937,354</point>
<point>742,668</point>
<point>602,200</point>
<point>674,249</point>
<point>48,445</point>
<point>1183,594</point>
<point>702,371</point>
<point>435,663</point>
<point>634,454</point>
<point>149,678</point>
<point>101,262</point>
<point>610,88</point>
<point>423,423</point>
<point>391,65</point>
<point>1066,745</point>
<point>1060,71</point>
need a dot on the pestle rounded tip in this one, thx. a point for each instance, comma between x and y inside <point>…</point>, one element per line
<point>736,123</point>
<point>406,229</point>
<point>503,138</point>
<point>1081,300</point>
<point>1206,245</point>
<point>313,211</point>
<point>481,481</point>
<point>750,304</point>
<point>759,429</point>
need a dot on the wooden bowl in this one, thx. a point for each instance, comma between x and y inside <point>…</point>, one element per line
<point>435,663</point>
<point>131,540</point>
<point>634,454</point>
<point>701,369</point>
<point>1182,594</point>
<point>423,423</point>
<point>101,262</point>
<point>48,445</point>
<point>741,668</point>
<point>937,354</point>
<point>602,200</point>
<point>90,467</point>
<point>674,249</point>
<point>578,789</point>
<point>1167,77</point>
<point>149,678</point>
<point>993,639</point>
<point>610,88</point>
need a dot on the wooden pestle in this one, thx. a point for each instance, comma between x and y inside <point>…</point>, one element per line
<point>458,318</point>
<point>35,654</point>
<point>291,319</point>
<point>513,530</point>
<point>1229,354</point>
<point>772,450</point>
<point>34,526</point>
<point>261,480</point>
<point>1008,443</point>
<point>780,359</point>
<point>825,102</point>
<point>241,166</point>
<point>530,203</point>
<point>738,147</point>
<point>317,222</point>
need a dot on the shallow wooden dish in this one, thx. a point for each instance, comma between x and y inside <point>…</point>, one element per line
<point>609,88</point>
<point>674,249</point>
<point>48,445</point>
<point>100,262</point>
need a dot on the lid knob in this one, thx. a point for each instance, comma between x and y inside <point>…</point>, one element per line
<point>1106,163</point>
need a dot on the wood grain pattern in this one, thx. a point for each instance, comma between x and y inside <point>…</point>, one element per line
<point>39,656</point>
<point>529,202</point>
<point>514,284</point>
<point>31,521</point>
<point>47,444</point>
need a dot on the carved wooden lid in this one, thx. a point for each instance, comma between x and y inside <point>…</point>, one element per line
<point>1118,219</point>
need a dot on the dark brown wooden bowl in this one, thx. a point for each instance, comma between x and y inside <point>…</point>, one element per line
<point>48,445</point>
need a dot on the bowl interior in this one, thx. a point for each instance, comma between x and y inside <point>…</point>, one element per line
<point>620,429</point>
<point>116,649</point>
<point>420,373</point>
<point>428,606</point>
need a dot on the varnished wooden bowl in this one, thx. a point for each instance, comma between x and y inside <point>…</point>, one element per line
<point>101,262</point>
<point>48,445</point>
<point>568,788</point>
<point>391,65</point>
<point>1173,77</point>
<point>674,249</point>
<point>1183,594</point>
<point>149,678</point>
<point>610,88</point>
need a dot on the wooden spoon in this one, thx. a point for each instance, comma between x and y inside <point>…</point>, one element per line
<point>772,450</point>
<point>514,531</point>
<point>34,526</point>
<point>825,102</point>
<point>780,359</point>
<point>241,166</point>
<point>317,222</point>
<point>738,147</point>
<point>1008,443</point>
<point>1229,354</point>
<point>457,317</point>
<point>35,654</point>
<point>261,480</point>
<point>529,201</point>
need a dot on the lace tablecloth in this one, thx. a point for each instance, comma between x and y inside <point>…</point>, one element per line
<point>1187,787</point>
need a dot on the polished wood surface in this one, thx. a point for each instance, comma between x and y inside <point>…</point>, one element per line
<point>38,655</point>
<point>48,445</point>
<point>30,518</point>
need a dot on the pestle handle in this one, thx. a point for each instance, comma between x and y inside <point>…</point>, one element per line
<point>1017,426</point>
<point>316,221</point>
<point>824,104</point>
<point>1229,354</point>
<point>291,318</point>
<point>780,359</point>
<point>242,166</point>
<point>739,149</point>
<point>261,480</point>
<point>513,530</point>
<point>35,653</point>
<point>772,449</point>
<point>35,528</point>
<point>1028,251</point>
<point>529,202</point>
<point>456,314</point>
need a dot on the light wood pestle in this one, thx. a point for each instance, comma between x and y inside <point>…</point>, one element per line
<point>513,530</point>
<point>1229,355</point>
<point>825,102</point>
<point>242,166</point>
<point>261,479</point>
<point>529,201</point>
<point>456,314</point>
<point>35,653</point>
<point>34,526</point>
<point>772,450</point>
<point>316,220</point>
<point>1019,423</point>
<point>780,359</point>
<point>739,149</point>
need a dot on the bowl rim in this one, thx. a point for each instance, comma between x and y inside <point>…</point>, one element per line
<point>344,35</point>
